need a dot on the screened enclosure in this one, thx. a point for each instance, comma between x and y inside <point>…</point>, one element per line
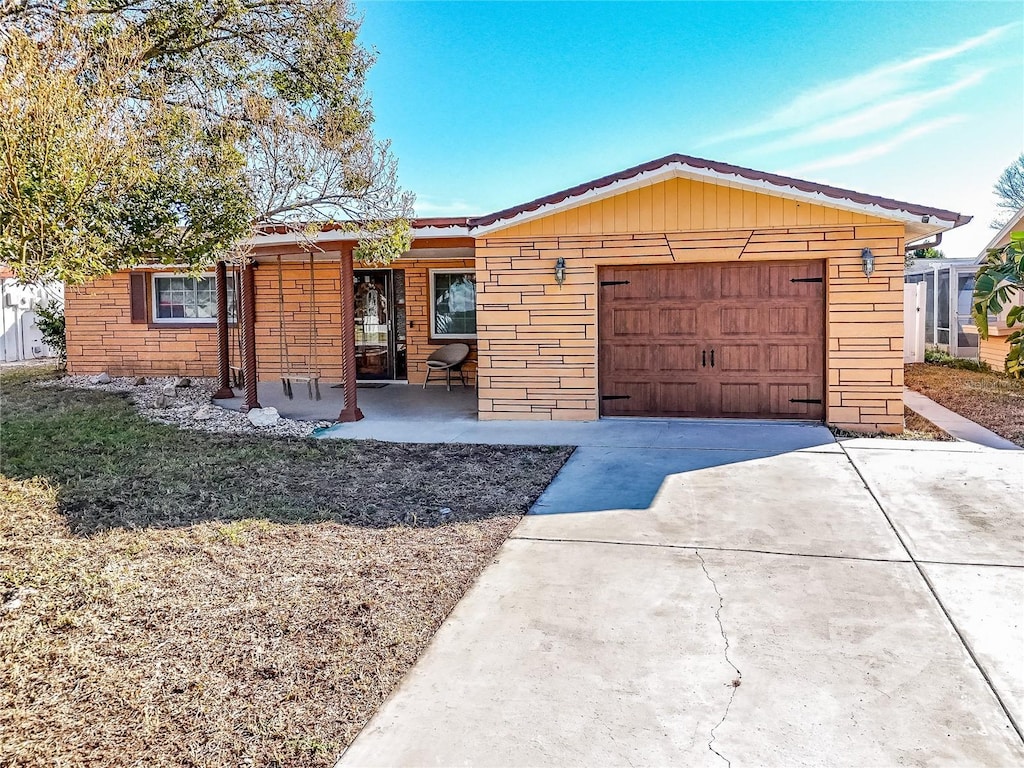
<point>949,284</point>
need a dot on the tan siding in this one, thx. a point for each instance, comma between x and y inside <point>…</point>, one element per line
<point>993,351</point>
<point>687,205</point>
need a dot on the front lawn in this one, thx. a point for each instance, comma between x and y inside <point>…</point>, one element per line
<point>178,597</point>
<point>993,400</point>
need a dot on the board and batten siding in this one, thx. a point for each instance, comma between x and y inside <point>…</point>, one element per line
<point>538,340</point>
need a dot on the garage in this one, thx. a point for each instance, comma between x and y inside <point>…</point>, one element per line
<point>715,340</point>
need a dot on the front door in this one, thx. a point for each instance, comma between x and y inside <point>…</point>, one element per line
<point>732,340</point>
<point>379,350</point>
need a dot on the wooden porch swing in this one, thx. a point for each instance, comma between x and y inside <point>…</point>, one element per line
<point>311,375</point>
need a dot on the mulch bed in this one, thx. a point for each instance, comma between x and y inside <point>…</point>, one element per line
<point>991,399</point>
<point>180,597</point>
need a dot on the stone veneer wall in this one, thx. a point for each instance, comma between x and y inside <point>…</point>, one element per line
<point>538,340</point>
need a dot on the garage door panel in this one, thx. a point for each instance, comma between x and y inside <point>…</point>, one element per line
<point>629,284</point>
<point>628,398</point>
<point>794,320</point>
<point>740,282</point>
<point>764,322</point>
<point>683,282</point>
<point>632,321</point>
<point>738,321</point>
<point>731,358</point>
<point>797,280</point>
<point>626,359</point>
<point>671,358</point>
<point>789,357</point>
<point>739,398</point>
<point>677,321</point>
<point>795,400</point>
<point>678,398</point>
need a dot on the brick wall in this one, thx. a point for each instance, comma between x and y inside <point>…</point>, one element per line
<point>538,340</point>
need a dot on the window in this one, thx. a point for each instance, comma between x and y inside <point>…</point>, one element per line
<point>185,299</point>
<point>453,304</point>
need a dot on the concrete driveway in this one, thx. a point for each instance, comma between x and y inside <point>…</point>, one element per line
<point>749,604</point>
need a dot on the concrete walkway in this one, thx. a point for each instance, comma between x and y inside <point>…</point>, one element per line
<point>757,604</point>
<point>955,424</point>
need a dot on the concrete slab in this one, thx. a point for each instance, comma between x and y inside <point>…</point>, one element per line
<point>568,653</point>
<point>987,604</point>
<point>951,508</point>
<point>807,503</point>
<point>955,424</point>
<point>621,433</point>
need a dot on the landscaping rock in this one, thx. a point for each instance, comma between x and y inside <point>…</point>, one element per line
<point>183,381</point>
<point>160,401</point>
<point>263,417</point>
<point>206,412</point>
<point>140,381</point>
<point>103,378</point>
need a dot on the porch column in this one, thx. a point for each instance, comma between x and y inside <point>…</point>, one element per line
<point>223,372</point>
<point>351,410</point>
<point>248,316</point>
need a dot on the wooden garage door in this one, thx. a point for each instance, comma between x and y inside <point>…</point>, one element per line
<point>712,340</point>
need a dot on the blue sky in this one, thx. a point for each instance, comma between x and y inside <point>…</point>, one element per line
<point>492,104</point>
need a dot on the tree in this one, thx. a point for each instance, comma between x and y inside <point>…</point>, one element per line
<point>998,282</point>
<point>1009,188</point>
<point>182,126</point>
<point>929,253</point>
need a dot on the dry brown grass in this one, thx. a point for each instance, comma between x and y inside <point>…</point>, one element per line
<point>135,633</point>
<point>993,400</point>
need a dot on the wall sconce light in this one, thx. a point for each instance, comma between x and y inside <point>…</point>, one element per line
<point>867,260</point>
<point>560,270</point>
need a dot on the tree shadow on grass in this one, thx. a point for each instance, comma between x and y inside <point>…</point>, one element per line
<point>115,469</point>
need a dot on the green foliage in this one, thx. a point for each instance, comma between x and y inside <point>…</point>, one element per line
<point>998,283</point>
<point>50,322</point>
<point>164,130</point>
<point>928,253</point>
<point>938,357</point>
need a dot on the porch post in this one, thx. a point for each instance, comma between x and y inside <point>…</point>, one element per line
<point>351,410</point>
<point>223,373</point>
<point>248,312</point>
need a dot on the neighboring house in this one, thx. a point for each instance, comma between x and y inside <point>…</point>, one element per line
<point>21,339</point>
<point>949,286</point>
<point>994,350</point>
<point>680,287</point>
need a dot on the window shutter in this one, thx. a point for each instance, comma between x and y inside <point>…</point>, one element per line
<point>138,297</point>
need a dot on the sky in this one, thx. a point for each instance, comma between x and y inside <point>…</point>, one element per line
<point>492,104</point>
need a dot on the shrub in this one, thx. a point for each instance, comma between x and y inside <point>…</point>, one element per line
<point>50,321</point>
<point>938,357</point>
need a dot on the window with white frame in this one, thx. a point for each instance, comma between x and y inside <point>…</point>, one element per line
<point>188,299</point>
<point>453,304</point>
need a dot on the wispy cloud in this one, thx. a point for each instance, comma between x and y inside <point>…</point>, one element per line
<point>876,118</point>
<point>879,148</point>
<point>832,101</point>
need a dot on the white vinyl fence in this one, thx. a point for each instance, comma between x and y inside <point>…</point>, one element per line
<point>915,303</point>
<point>21,339</point>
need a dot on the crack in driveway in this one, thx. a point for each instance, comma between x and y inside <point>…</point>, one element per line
<point>735,684</point>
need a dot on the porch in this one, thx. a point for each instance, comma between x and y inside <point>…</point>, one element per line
<point>379,401</point>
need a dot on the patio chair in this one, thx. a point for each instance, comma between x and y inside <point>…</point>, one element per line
<point>448,358</point>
